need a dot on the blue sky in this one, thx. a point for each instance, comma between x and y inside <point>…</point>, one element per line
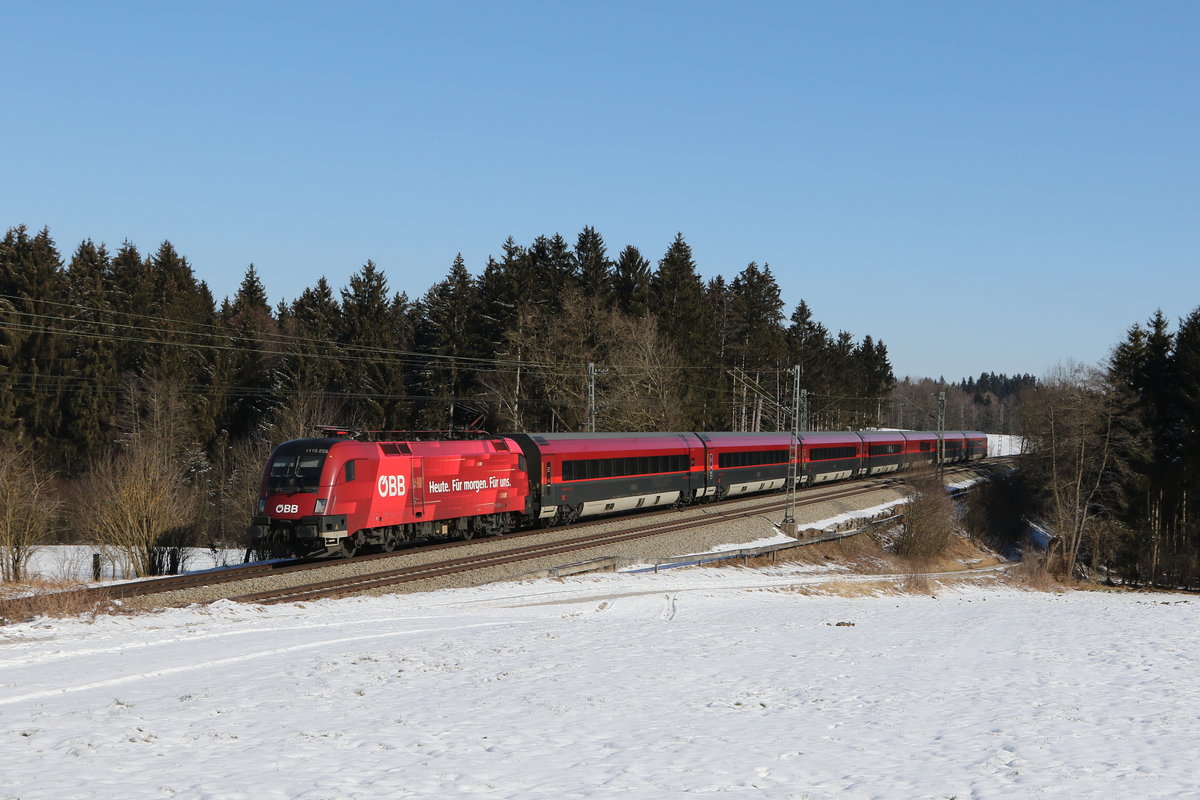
<point>983,186</point>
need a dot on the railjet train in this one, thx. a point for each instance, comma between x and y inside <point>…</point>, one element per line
<point>340,495</point>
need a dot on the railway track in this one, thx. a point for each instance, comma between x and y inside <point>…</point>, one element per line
<point>708,515</point>
<point>383,579</point>
<point>504,553</point>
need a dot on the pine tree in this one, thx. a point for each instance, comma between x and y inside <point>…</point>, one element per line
<point>33,354</point>
<point>1187,371</point>
<point>130,296</point>
<point>252,331</point>
<point>874,381</point>
<point>312,364</point>
<point>90,404</point>
<point>679,299</point>
<point>403,315</point>
<point>183,312</point>
<point>684,318</point>
<point>502,294</point>
<point>810,348</point>
<point>510,298</point>
<point>592,266</point>
<point>446,331</point>
<point>548,270</point>
<point>756,320</point>
<point>720,303</point>
<point>1187,376</point>
<point>374,373</point>
<point>631,283</point>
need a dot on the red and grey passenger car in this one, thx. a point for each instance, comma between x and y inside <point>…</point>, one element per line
<point>574,475</point>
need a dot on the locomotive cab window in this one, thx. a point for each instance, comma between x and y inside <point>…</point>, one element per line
<point>295,473</point>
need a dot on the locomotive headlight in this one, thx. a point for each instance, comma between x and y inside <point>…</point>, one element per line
<point>319,506</point>
<point>262,505</point>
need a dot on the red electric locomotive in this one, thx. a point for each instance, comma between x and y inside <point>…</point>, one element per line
<point>336,496</point>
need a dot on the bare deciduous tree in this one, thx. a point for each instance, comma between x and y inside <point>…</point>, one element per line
<point>645,393</point>
<point>141,499</point>
<point>300,414</point>
<point>929,518</point>
<point>29,508</point>
<point>138,502</point>
<point>637,372</point>
<point>1072,426</point>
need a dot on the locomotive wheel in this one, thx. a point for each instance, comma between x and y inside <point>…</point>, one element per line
<point>352,545</point>
<point>390,540</point>
<point>468,533</point>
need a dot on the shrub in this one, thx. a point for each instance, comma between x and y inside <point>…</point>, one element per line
<point>928,520</point>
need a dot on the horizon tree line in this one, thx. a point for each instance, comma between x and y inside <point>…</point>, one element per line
<point>97,348</point>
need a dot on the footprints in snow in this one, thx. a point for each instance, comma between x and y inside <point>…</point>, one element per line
<point>667,614</point>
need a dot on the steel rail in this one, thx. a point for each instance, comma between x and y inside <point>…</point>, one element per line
<point>701,515</point>
<point>353,585</point>
<point>376,580</point>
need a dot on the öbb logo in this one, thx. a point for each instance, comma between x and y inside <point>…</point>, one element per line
<point>287,508</point>
<point>391,486</point>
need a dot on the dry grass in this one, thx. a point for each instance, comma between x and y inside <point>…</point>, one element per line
<point>912,584</point>
<point>917,583</point>
<point>1035,574</point>
<point>42,598</point>
<point>860,554</point>
<point>871,553</point>
<point>836,588</point>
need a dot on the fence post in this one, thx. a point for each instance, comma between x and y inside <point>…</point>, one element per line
<point>95,566</point>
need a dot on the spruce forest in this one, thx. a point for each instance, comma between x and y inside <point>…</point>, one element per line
<point>122,374</point>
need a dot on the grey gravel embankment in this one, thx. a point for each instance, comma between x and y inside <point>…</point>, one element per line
<point>662,546</point>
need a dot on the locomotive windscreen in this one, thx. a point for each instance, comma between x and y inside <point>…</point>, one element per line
<point>296,466</point>
<point>295,473</point>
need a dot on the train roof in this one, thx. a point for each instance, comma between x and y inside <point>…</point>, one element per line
<point>549,443</point>
<point>830,437</point>
<point>748,439</point>
<point>882,436</point>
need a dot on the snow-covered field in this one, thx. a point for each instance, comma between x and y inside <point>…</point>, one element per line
<point>687,683</point>
<point>691,683</point>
